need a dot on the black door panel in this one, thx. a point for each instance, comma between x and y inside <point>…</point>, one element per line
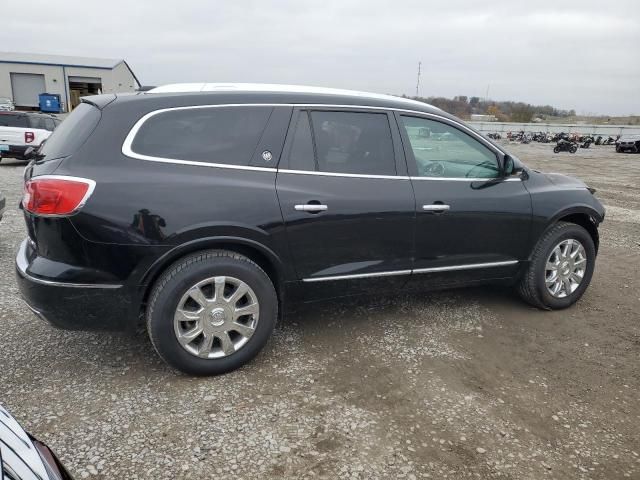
<point>482,225</point>
<point>366,228</point>
<point>471,222</point>
<point>349,218</point>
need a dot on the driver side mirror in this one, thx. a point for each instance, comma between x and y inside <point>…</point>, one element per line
<point>510,166</point>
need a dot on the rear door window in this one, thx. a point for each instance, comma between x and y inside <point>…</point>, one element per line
<point>223,135</point>
<point>353,143</point>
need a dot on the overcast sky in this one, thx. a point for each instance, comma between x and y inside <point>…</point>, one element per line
<point>583,55</point>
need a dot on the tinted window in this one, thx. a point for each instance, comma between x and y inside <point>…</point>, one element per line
<point>302,156</point>
<point>10,120</point>
<point>348,142</point>
<point>227,135</point>
<point>441,150</point>
<point>72,132</point>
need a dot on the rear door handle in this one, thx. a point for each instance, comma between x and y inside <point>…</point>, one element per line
<point>436,207</point>
<point>311,207</point>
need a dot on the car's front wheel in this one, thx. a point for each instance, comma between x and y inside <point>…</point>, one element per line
<point>211,312</point>
<point>560,269</point>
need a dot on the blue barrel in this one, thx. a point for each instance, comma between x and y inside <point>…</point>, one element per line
<point>49,102</point>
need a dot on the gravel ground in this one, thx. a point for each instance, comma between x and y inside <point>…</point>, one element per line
<point>458,384</point>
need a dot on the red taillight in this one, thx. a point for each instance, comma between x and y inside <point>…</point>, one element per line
<point>29,137</point>
<point>56,195</point>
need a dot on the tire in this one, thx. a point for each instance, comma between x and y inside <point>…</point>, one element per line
<point>532,286</point>
<point>618,150</point>
<point>170,291</point>
<point>556,149</point>
<point>573,149</point>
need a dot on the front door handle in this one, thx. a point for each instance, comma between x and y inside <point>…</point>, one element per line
<point>311,207</point>
<point>436,207</point>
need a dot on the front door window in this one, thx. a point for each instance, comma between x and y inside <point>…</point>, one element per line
<point>441,150</point>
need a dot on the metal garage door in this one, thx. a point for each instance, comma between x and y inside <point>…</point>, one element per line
<point>85,80</point>
<point>26,88</point>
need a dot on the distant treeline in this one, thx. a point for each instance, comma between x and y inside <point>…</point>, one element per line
<point>463,106</point>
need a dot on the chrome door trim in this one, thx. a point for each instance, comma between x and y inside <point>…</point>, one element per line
<point>451,268</point>
<point>358,275</point>
<point>469,266</point>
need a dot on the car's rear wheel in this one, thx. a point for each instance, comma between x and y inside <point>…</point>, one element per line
<point>560,269</point>
<point>556,149</point>
<point>211,312</point>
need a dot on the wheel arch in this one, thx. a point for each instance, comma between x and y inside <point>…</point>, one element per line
<point>587,218</point>
<point>266,259</point>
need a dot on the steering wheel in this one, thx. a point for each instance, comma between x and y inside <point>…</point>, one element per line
<point>482,165</point>
<point>434,169</point>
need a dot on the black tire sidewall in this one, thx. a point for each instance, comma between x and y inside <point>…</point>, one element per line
<point>160,320</point>
<point>569,231</point>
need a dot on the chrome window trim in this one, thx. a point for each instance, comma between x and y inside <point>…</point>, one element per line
<point>465,179</point>
<point>469,266</point>
<point>128,141</point>
<point>346,175</point>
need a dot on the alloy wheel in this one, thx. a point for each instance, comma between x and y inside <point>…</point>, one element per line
<point>216,317</point>
<point>565,268</point>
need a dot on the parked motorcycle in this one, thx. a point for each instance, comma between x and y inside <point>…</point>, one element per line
<point>586,143</point>
<point>565,146</point>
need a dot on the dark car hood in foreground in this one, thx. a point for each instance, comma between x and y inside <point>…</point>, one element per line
<point>25,456</point>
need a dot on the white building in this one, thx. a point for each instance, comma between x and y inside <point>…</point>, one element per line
<point>24,76</point>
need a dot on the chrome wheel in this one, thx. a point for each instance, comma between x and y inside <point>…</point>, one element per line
<point>216,317</point>
<point>565,268</point>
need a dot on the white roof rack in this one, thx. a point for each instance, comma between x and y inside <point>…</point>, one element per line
<point>267,87</point>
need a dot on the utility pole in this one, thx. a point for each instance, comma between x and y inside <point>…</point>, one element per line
<point>418,82</point>
<point>486,97</point>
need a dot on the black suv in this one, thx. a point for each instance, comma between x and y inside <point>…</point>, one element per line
<point>202,209</point>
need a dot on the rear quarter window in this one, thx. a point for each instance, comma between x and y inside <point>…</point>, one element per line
<point>223,135</point>
<point>72,132</point>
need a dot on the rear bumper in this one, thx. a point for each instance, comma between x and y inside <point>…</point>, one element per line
<point>72,306</point>
<point>16,151</point>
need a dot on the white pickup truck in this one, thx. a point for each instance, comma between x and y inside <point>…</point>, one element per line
<point>21,130</point>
